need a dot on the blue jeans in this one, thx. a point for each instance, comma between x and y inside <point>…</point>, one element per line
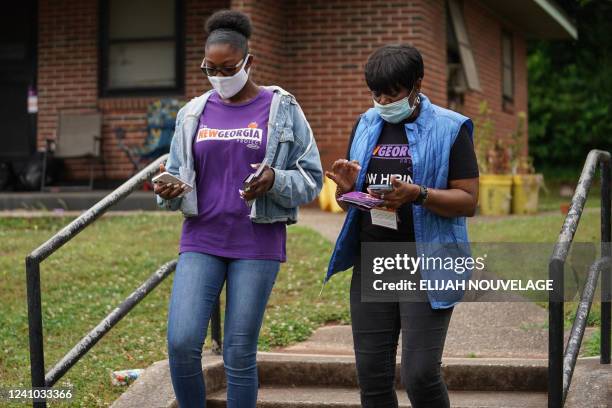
<point>197,283</point>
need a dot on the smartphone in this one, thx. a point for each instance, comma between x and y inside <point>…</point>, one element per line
<point>380,188</point>
<point>166,177</point>
<point>252,177</point>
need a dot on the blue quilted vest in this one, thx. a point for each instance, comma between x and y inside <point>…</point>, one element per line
<point>430,138</point>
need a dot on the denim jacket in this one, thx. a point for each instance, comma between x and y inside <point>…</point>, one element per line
<point>291,151</point>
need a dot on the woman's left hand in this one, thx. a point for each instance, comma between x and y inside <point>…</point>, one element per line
<point>402,193</point>
<point>261,185</point>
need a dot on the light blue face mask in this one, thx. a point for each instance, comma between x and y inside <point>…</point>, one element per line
<point>396,111</point>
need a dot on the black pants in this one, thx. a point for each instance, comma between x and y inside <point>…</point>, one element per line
<point>376,328</point>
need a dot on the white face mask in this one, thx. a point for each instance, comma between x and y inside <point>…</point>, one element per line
<point>231,85</point>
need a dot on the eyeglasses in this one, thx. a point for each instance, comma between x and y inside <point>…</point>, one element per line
<point>213,71</point>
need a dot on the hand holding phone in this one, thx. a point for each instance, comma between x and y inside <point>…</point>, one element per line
<point>257,183</point>
<point>168,186</point>
<point>379,189</point>
<point>251,178</point>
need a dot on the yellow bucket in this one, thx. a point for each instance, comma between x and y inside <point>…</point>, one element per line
<point>495,194</point>
<point>525,193</point>
<point>324,203</point>
<point>327,197</point>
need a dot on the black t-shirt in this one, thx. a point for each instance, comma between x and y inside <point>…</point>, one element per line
<point>391,156</point>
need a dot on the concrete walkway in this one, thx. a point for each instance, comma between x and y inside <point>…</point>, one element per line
<point>477,329</point>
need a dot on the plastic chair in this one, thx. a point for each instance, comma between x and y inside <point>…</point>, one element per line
<point>78,135</point>
<point>161,119</point>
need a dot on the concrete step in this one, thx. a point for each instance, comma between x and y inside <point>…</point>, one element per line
<point>462,374</point>
<point>332,397</point>
<point>300,381</point>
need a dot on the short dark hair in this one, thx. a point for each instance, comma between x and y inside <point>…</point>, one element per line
<point>393,67</point>
<point>229,27</point>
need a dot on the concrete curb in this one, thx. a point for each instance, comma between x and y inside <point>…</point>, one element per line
<point>304,371</point>
<point>462,374</point>
<point>472,381</point>
<point>153,389</point>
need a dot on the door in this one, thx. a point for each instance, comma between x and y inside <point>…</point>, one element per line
<point>18,22</point>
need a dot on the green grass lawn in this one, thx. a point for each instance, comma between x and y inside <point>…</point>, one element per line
<point>545,228</point>
<point>551,200</point>
<point>93,273</point>
<point>555,177</point>
<point>535,228</point>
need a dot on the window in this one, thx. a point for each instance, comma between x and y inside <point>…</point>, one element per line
<point>141,47</point>
<point>507,68</point>
<point>461,42</point>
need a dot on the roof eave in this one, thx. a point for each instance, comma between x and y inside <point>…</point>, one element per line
<point>559,16</point>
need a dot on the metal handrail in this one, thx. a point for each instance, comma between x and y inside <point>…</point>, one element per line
<point>579,325</point>
<point>91,338</point>
<point>561,364</point>
<point>36,257</point>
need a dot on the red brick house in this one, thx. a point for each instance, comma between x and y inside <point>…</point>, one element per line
<point>117,56</point>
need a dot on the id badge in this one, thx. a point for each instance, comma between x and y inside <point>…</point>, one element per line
<point>384,218</point>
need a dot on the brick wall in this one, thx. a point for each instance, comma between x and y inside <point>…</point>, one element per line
<point>67,61</point>
<point>129,113</point>
<point>431,42</point>
<point>267,43</point>
<point>316,49</point>
<point>328,43</point>
<point>485,32</point>
<point>68,78</point>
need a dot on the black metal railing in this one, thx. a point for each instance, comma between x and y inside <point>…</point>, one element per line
<point>36,257</point>
<point>561,364</point>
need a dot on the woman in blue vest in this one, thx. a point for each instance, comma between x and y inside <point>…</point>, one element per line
<point>427,155</point>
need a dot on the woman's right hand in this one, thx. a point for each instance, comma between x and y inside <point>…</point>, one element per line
<point>344,173</point>
<point>167,191</point>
